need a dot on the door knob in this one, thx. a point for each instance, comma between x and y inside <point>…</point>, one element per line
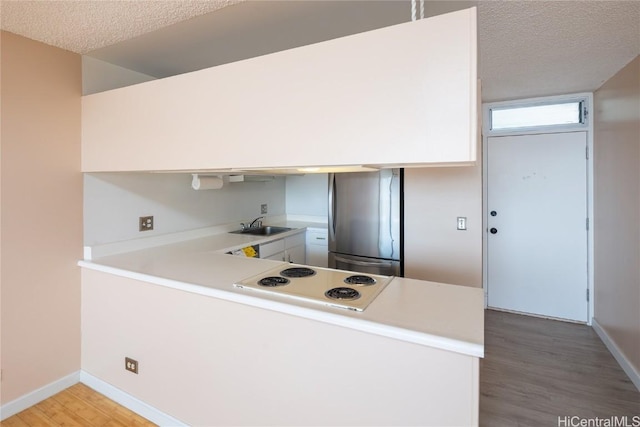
<point>493,230</point>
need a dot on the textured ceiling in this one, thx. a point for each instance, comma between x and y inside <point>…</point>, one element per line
<point>526,48</point>
<point>82,26</point>
<point>536,48</point>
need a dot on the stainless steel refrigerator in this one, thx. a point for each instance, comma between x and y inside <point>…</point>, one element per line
<point>365,221</point>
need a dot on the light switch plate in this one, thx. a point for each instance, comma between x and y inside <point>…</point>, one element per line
<point>462,223</point>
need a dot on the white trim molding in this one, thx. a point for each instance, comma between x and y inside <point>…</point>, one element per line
<point>128,401</point>
<point>624,363</point>
<point>136,405</point>
<point>585,98</point>
<point>28,400</point>
<point>587,126</point>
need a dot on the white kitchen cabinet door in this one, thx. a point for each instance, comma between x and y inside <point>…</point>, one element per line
<point>295,240</point>
<point>296,255</point>
<point>290,249</point>
<point>400,95</point>
<point>294,248</point>
<point>279,256</point>
<point>317,247</point>
<point>318,256</point>
<point>273,250</point>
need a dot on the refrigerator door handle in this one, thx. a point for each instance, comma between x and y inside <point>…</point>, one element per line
<point>332,204</point>
<point>362,263</point>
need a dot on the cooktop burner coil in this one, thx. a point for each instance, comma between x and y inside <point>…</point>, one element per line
<point>272,282</point>
<point>360,280</point>
<point>296,272</point>
<point>342,293</point>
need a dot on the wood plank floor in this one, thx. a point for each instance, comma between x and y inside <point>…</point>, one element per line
<point>77,406</point>
<point>536,370</point>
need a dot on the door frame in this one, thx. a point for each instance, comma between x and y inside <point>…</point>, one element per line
<point>587,126</point>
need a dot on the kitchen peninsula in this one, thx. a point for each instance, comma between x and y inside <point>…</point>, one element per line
<point>209,353</point>
<point>212,354</point>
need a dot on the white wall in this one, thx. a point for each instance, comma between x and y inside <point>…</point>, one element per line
<point>98,76</point>
<point>307,195</point>
<point>114,201</point>
<point>41,215</point>
<point>617,212</point>
<point>434,249</point>
<point>211,362</point>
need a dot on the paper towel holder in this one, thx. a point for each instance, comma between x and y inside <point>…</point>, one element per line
<point>206,182</point>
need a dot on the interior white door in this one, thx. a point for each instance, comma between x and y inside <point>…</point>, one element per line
<point>537,232</point>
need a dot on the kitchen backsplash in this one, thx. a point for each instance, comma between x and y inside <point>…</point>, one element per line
<point>113,202</point>
<point>307,195</point>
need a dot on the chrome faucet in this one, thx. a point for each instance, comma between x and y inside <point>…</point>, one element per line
<point>256,223</point>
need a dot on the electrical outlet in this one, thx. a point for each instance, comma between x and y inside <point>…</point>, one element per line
<point>263,209</point>
<point>145,223</point>
<point>131,365</point>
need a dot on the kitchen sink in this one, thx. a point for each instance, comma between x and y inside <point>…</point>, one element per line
<point>266,230</point>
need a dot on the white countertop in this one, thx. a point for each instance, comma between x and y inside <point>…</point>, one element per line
<point>443,316</point>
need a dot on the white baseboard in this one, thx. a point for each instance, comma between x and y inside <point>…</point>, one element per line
<point>139,407</point>
<point>125,399</point>
<point>37,396</point>
<point>626,366</point>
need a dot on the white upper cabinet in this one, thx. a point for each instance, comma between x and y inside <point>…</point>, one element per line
<point>401,95</point>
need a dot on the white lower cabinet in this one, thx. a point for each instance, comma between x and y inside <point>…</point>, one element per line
<point>276,257</point>
<point>317,246</point>
<point>296,254</point>
<point>272,250</point>
<point>289,249</point>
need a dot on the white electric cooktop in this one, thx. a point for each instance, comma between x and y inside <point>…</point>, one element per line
<point>336,288</point>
